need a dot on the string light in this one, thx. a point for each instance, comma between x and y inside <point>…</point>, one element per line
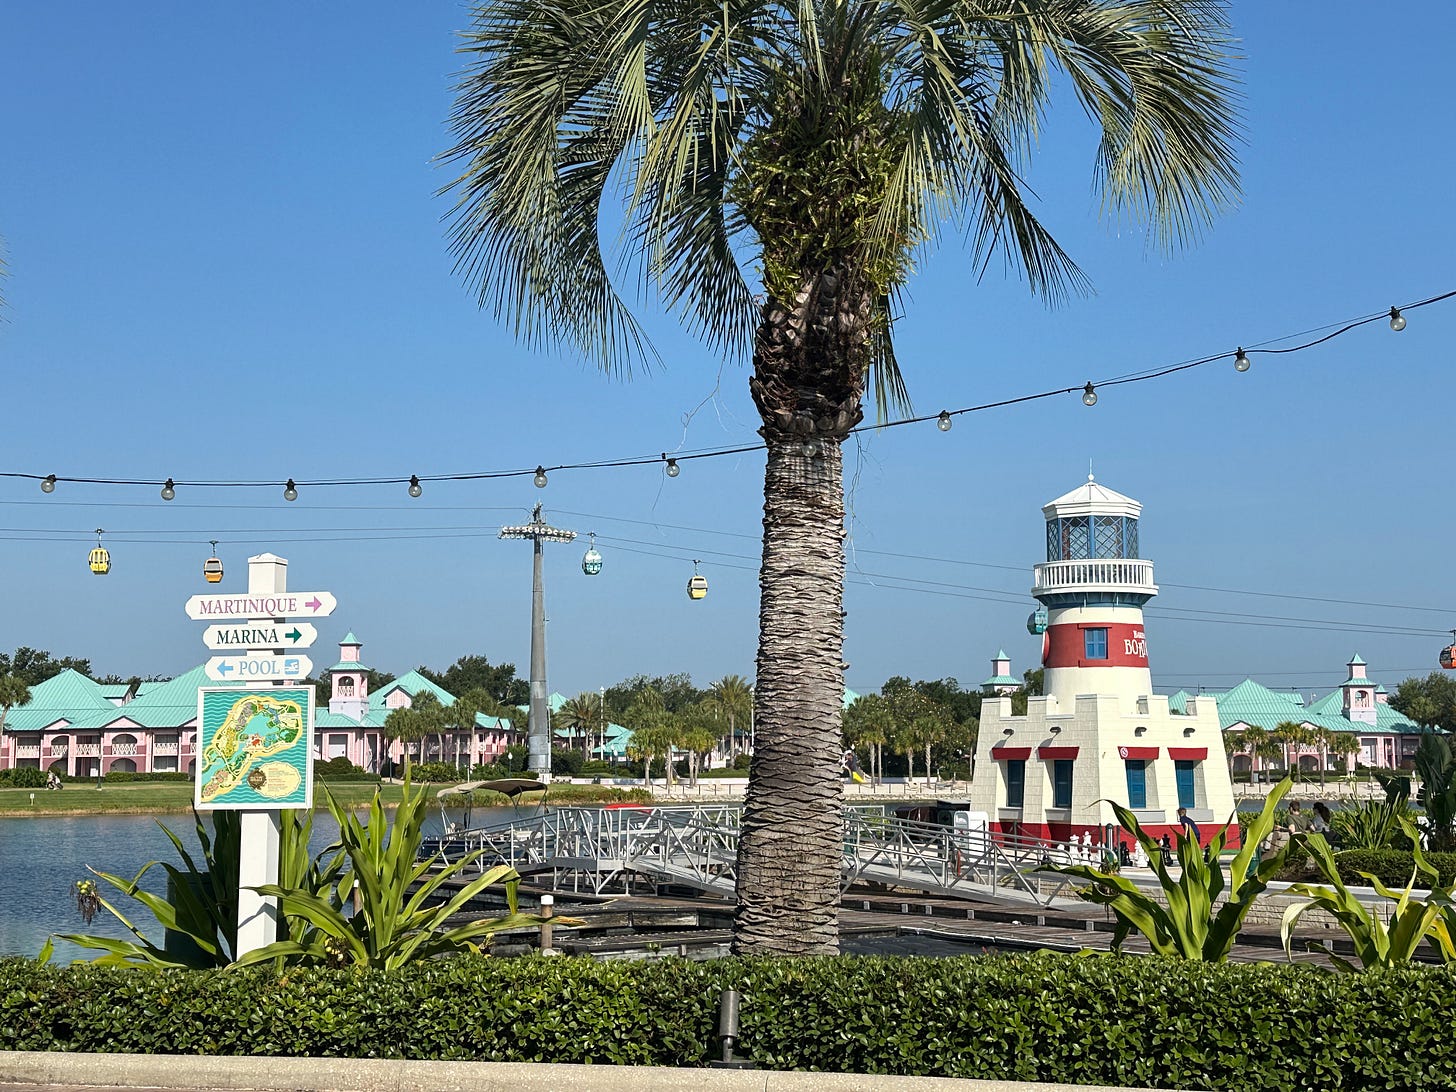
<point>673,470</point>
<point>290,491</point>
<point>943,421</point>
<point>415,489</point>
<point>169,491</point>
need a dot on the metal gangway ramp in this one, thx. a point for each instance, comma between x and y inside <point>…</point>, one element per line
<point>696,846</point>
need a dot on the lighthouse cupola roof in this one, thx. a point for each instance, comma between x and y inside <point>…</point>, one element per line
<point>1092,499</point>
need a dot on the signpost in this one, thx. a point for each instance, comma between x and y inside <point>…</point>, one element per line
<point>259,666</point>
<point>255,740</point>
<point>277,604</point>
<point>284,635</point>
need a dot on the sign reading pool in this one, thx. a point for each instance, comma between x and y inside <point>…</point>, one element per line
<point>254,745</point>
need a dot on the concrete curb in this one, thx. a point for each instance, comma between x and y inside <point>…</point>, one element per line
<point>176,1071</point>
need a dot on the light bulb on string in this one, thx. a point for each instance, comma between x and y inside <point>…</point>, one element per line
<point>1089,395</point>
<point>540,478</point>
<point>672,470</point>
<point>290,491</point>
<point>415,489</point>
<point>48,484</point>
<point>1397,320</point>
<point>1241,360</point>
<point>168,490</point>
<point>943,422</point>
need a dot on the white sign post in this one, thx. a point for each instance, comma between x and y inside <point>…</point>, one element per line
<point>255,667</point>
<point>236,637</point>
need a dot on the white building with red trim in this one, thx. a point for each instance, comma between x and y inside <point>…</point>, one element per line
<point>1097,732</point>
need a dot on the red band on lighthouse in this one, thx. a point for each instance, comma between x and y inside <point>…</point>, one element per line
<point>1067,645</point>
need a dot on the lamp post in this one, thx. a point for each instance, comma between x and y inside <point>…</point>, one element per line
<point>602,710</point>
<point>538,732</point>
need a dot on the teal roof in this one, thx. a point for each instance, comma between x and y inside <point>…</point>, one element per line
<point>1352,681</point>
<point>322,718</point>
<point>68,696</point>
<point>1254,704</point>
<point>349,665</point>
<point>1001,654</point>
<point>850,697</point>
<point>350,639</point>
<point>1355,659</point>
<point>168,704</point>
<point>412,683</point>
<point>1002,680</point>
<point>1386,719</point>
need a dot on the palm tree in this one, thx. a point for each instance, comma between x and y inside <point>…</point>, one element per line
<point>460,717</point>
<point>1293,737</point>
<point>820,142</point>
<point>581,716</point>
<point>1234,741</point>
<point>732,697</point>
<point>13,692</point>
<point>868,722</point>
<point>412,723</point>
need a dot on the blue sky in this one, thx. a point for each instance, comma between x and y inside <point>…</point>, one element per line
<point>227,261</point>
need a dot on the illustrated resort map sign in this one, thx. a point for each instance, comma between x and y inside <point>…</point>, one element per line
<point>255,747</point>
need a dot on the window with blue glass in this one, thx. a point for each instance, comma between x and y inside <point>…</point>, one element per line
<point>1015,782</point>
<point>1137,783</point>
<point>1186,779</point>
<point>1094,642</point>
<point>1062,783</point>
<point>1107,536</point>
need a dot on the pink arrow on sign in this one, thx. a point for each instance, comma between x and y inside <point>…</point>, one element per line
<point>314,603</point>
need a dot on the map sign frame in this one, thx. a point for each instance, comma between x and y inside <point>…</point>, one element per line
<point>273,715</point>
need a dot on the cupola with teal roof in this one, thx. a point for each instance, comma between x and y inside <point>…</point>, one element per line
<point>349,679</point>
<point>1357,693</point>
<point>1001,680</point>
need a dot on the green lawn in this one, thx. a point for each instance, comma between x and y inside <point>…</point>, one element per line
<point>147,798</point>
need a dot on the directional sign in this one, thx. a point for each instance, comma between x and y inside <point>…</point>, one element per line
<point>260,667</point>
<point>284,635</point>
<point>305,604</point>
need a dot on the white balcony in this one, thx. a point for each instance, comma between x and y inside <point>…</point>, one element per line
<point>164,748</point>
<point>58,750</point>
<point>88,750</point>
<point>27,750</point>
<point>1109,574</point>
<point>123,749</point>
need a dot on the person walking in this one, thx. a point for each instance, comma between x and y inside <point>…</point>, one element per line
<point>1190,828</point>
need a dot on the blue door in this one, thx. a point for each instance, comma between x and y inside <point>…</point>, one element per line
<point>1183,774</point>
<point>1137,783</point>
<point>1015,782</point>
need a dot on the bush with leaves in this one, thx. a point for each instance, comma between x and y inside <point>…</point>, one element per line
<point>1378,944</point>
<point>1185,923</point>
<point>22,777</point>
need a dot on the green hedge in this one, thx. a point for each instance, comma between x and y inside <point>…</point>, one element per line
<point>118,777</point>
<point>1088,1020</point>
<point>22,777</point>
<point>1393,867</point>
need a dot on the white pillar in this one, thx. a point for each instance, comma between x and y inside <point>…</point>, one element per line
<point>258,852</point>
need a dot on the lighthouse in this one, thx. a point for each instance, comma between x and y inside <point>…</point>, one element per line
<point>1097,733</point>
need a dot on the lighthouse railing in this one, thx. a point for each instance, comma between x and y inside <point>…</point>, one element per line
<point>1096,572</point>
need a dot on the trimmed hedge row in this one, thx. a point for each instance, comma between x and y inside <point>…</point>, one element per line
<point>1041,1017</point>
<point>1393,867</point>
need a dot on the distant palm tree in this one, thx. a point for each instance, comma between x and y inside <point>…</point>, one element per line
<point>821,143</point>
<point>868,723</point>
<point>412,723</point>
<point>1294,737</point>
<point>581,716</point>
<point>13,692</point>
<point>732,698</point>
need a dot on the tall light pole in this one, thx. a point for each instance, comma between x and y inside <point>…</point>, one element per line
<point>538,732</point>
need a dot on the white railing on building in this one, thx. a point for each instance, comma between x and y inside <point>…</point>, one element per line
<point>123,748</point>
<point>27,750</point>
<point>58,750</point>
<point>162,748</point>
<point>88,750</point>
<point>1129,574</point>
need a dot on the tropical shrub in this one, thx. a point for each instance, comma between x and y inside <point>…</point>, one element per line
<point>1393,867</point>
<point>436,772</point>
<point>341,769</point>
<point>1377,944</point>
<point>1048,1018</point>
<point>1372,825</point>
<point>385,905</point>
<point>122,777</point>
<point>1187,925</point>
<point>23,777</point>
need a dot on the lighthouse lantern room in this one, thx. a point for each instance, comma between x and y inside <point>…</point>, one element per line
<point>1097,732</point>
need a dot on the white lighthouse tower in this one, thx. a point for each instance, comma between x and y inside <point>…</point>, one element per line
<point>1097,732</point>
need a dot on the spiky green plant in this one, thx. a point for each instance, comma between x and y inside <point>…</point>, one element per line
<point>1412,921</point>
<point>389,905</point>
<point>1188,926</point>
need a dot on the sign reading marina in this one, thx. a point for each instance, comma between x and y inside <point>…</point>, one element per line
<point>283,635</point>
<point>255,748</point>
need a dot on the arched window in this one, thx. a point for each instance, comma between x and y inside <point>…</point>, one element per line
<point>346,685</point>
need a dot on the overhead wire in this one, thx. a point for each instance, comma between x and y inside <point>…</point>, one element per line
<point>942,417</point>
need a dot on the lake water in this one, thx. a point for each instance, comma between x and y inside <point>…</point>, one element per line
<point>42,858</point>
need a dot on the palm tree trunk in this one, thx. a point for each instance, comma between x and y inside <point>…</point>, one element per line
<point>792,837</point>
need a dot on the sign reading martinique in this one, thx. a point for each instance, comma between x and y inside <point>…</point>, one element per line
<point>254,746</point>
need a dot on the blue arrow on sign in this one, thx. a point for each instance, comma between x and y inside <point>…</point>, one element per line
<point>223,669</point>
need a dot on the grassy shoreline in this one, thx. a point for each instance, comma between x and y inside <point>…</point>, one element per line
<point>175,798</point>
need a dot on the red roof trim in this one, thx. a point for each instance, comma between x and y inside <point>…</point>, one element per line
<point>1047,751</point>
<point>1137,752</point>
<point>1001,754</point>
<point>1196,754</point>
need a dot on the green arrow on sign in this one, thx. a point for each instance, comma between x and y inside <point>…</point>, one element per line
<point>293,634</point>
